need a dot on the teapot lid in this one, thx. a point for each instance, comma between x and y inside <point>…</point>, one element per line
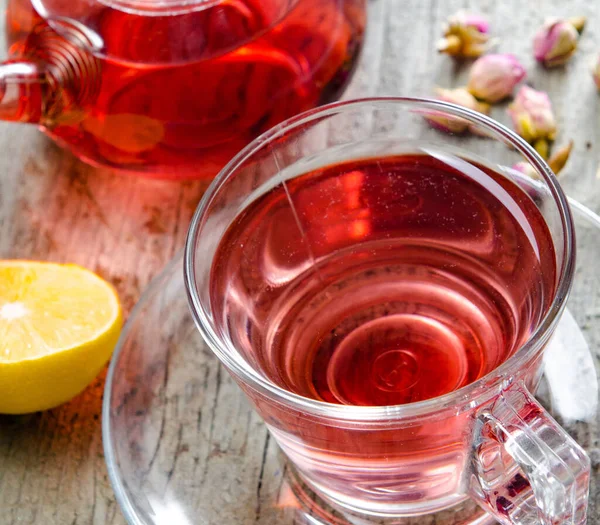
<point>160,31</point>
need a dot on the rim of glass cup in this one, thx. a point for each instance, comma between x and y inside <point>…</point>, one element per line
<point>461,397</point>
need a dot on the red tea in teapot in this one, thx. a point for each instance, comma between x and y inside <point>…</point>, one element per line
<point>173,89</point>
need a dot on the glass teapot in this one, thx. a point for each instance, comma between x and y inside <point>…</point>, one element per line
<point>172,88</point>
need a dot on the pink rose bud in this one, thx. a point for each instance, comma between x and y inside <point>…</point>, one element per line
<point>556,41</point>
<point>472,20</point>
<point>465,35</point>
<point>493,77</point>
<point>460,97</point>
<point>596,73</point>
<point>533,119</point>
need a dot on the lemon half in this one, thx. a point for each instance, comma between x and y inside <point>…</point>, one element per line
<point>58,327</point>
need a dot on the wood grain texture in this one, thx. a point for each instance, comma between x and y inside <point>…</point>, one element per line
<point>54,207</point>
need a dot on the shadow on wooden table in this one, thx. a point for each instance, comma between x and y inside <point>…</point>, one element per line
<point>52,457</point>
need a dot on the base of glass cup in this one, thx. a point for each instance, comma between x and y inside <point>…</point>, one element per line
<point>318,509</point>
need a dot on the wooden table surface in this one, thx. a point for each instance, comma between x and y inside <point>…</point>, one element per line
<point>54,207</point>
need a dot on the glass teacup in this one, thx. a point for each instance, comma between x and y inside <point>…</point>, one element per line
<point>269,228</point>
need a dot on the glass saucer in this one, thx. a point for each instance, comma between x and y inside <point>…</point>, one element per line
<point>184,447</point>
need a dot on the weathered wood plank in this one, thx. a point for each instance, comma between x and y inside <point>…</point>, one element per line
<point>54,207</point>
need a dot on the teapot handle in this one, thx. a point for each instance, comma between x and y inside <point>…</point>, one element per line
<point>51,82</point>
<point>23,88</point>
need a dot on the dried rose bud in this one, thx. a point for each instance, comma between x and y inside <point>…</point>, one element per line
<point>596,73</point>
<point>460,97</point>
<point>533,119</point>
<point>493,77</point>
<point>556,41</point>
<point>556,162</point>
<point>465,35</point>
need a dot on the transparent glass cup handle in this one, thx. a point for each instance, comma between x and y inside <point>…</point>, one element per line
<point>526,470</point>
